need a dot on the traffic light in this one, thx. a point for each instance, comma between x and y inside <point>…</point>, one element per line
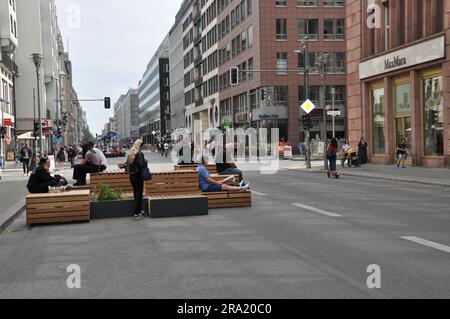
<point>36,128</point>
<point>234,76</point>
<point>263,94</point>
<point>107,103</point>
<point>59,132</point>
<point>307,122</point>
<point>3,132</point>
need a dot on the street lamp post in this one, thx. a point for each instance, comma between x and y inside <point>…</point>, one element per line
<point>322,66</point>
<point>333,97</point>
<point>37,60</point>
<point>305,51</point>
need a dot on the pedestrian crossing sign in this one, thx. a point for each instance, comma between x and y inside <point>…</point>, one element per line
<point>308,106</point>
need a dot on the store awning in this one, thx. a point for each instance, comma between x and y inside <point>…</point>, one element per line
<point>28,136</point>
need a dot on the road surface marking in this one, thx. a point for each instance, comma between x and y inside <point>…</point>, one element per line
<point>316,210</point>
<point>427,243</point>
<point>258,193</point>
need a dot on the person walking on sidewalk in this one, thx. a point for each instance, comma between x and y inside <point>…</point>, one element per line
<point>135,164</point>
<point>362,151</point>
<point>402,153</point>
<point>61,157</point>
<point>332,150</point>
<point>25,157</point>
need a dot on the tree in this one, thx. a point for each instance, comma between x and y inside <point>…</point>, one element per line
<point>87,136</point>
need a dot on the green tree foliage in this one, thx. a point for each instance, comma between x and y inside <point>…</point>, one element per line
<point>88,137</point>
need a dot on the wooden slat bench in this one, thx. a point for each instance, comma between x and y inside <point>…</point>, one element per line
<point>176,194</point>
<point>212,169</point>
<point>116,180</point>
<point>229,199</point>
<point>58,208</point>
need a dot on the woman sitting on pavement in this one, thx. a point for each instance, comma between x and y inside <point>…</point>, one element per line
<point>207,184</point>
<point>40,180</point>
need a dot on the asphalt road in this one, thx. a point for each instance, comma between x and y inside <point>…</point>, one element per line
<point>305,237</point>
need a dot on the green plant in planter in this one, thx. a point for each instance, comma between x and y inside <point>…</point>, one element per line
<point>105,193</point>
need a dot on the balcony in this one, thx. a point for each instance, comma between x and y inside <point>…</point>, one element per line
<point>6,60</point>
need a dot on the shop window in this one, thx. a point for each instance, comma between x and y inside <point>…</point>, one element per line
<point>378,121</point>
<point>434,116</point>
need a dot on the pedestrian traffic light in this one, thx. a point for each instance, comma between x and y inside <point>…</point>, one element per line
<point>234,76</point>
<point>263,94</point>
<point>107,103</point>
<point>59,132</point>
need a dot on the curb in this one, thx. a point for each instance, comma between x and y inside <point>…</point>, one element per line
<point>388,178</point>
<point>11,214</point>
<point>396,179</point>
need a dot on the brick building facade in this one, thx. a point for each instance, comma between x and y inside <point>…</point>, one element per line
<point>263,36</point>
<point>398,63</point>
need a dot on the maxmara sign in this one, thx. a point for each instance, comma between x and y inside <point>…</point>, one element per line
<point>413,55</point>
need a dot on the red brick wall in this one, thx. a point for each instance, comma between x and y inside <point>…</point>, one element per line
<point>354,14</point>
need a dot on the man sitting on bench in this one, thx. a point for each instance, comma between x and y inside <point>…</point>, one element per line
<point>225,168</point>
<point>93,162</point>
<point>207,184</point>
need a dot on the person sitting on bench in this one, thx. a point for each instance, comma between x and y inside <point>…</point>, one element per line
<point>40,180</point>
<point>225,168</point>
<point>93,162</point>
<point>207,184</point>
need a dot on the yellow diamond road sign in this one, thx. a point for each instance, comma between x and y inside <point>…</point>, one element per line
<point>308,106</point>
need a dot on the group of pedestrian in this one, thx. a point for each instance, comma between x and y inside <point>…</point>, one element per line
<point>333,149</point>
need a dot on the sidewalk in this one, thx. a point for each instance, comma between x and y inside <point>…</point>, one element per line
<point>428,176</point>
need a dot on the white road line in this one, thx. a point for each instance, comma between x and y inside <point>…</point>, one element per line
<point>316,210</point>
<point>258,193</point>
<point>427,243</point>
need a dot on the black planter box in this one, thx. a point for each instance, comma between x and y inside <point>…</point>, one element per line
<point>179,207</point>
<point>116,209</point>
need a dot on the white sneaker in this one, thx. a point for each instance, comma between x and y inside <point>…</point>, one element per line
<point>245,187</point>
<point>241,184</point>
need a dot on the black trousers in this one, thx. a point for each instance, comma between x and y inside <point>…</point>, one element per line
<point>80,171</point>
<point>138,189</point>
<point>26,166</point>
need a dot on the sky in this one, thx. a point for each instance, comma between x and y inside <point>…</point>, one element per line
<point>110,43</point>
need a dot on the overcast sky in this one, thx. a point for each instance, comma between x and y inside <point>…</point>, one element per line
<point>110,44</point>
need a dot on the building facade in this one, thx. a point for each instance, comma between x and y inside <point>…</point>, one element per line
<point>154,97</point>
<point>200,44</point>
<point>264,40</point>
<point>126,115</point>
<point>177,105</point>
<point>399,78</point>
<point>40,33</point>
<point>8,74</point>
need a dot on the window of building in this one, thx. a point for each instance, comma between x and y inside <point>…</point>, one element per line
<point>434,116</point>
<point>308,27</point>
<point>282,63</point>
<point>281,31</point>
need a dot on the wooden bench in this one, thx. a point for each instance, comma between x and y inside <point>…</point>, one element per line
<point>229,199</point>
<point>176,194</point>
<point>73,206</point>
<point>117,179</point>
<point>212,169</point>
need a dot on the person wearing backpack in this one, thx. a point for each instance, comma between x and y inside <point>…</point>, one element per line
<point>137,167</point>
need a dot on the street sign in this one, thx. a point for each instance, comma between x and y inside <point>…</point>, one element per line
<point>7,122</point>
<point>308,106</point>
<point>154,133</point>
<point>334,113</point>
<point>288,152</point>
